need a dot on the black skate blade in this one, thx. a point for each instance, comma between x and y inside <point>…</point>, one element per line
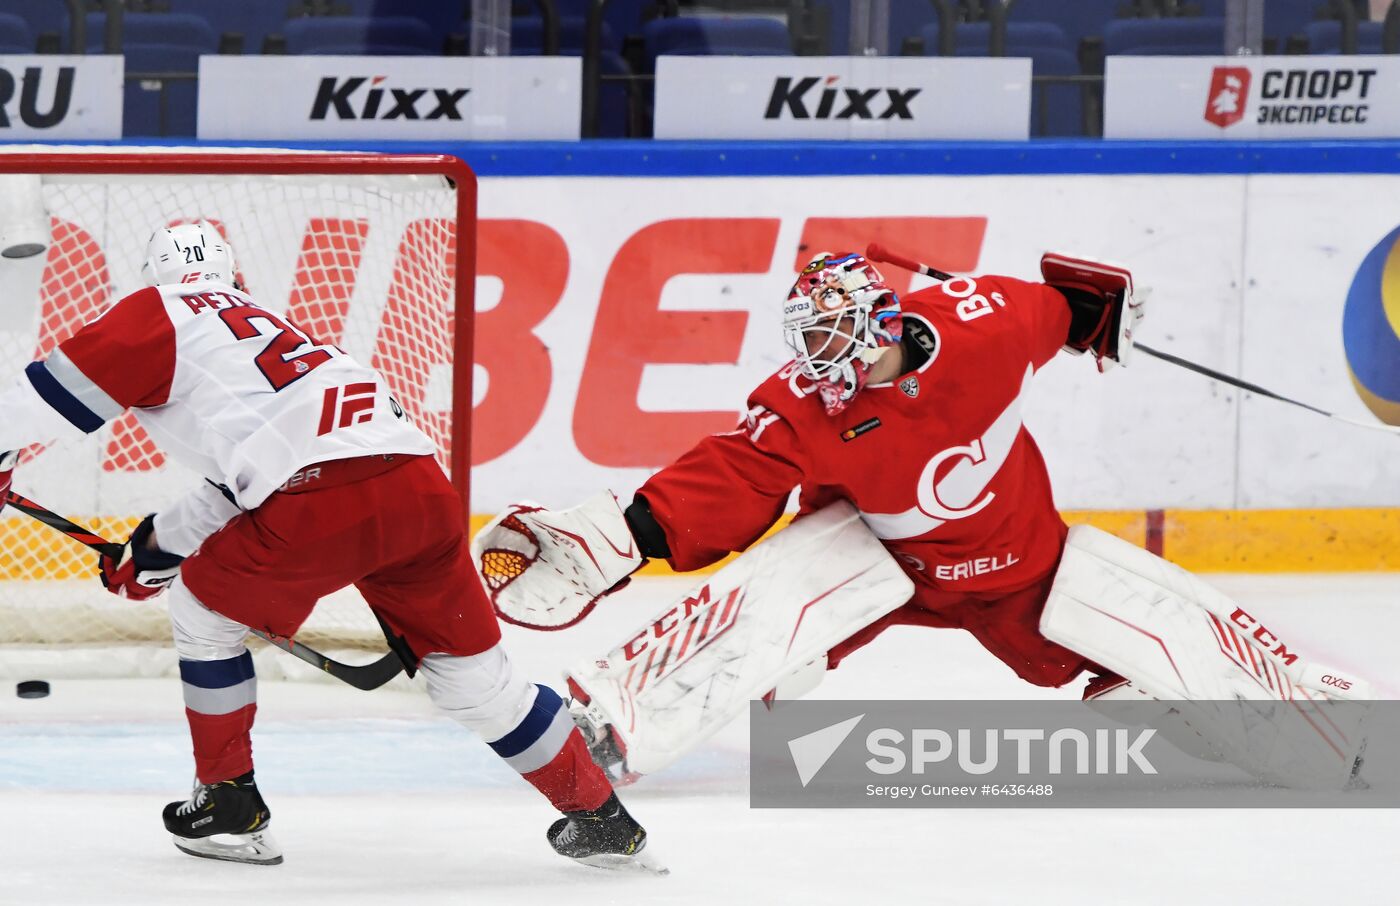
<point>257,848</point>
<point>642,861</point>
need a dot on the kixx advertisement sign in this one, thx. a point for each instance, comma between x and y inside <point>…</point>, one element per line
<point>338,97</point>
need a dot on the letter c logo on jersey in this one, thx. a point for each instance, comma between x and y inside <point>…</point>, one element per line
<point>929,486</point>
<point>1371,329</point>
<point>954,482</point>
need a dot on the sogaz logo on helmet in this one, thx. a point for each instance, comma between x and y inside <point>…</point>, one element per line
<point>1371,329</point>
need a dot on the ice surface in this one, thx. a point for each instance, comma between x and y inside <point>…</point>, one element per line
<point>378,800</point>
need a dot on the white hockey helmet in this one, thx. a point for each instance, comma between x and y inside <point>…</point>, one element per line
<point>188,253</point>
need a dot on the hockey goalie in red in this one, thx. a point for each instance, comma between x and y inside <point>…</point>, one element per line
<point>316,481</point>
<point>924,501</point>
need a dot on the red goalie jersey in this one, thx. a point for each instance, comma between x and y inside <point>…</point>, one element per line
<point>937,461</point>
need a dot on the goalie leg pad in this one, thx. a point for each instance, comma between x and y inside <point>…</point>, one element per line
<point>1254,701</point>
<point>1128,704</point>
<point>776,608</point>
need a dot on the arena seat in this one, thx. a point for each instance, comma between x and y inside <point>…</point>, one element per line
<point>1326,37</point>
<point>1049,50</point>
<point>182,30</point>
<point>527,35</point>
<point>158,43</point>
<point>1078,20</point>
<point>39,16</point>
<point>527,40</point>
<point>253,21</point>
<point>1283,19</point>
<point>392,36</point>
<point>729,35</point>
<point>441,16</point>
<point>621,17</point>
<point>15,35</point>
<point>906,19</point>
<point>1196,36</point>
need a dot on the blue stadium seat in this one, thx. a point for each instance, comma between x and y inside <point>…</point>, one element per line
<point>254,21</point>
<point>1285,18</point>
<point>527,35</point>
<point>15,36</point>
<point>974,38</point>
<point>622,17</point>
<point>527,40</point>
<point>1056,109</point>
<point>158,43</point>
<point>838,32</point>
<point>394,36</point>
<point>1326,37</point>
<point>907,18</point>
<point>1203,36</point>
<point>1282,18</point>
<point>729,35</point>
<point>184,30</point>
<point>1078,19</point>
<point>41,16</point>
<point>613,107</point>
<point>441,16</point>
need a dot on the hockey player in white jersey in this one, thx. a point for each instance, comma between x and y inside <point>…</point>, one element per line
<point>317,481</point>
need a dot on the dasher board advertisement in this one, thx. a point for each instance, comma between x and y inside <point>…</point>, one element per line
<point>855,98</point>
<point>387,98</point>
<point>1245,98</point>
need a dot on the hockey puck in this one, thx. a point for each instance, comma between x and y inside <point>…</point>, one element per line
<point>34,688</point>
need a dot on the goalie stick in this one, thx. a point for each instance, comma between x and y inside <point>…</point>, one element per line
<point>366,677</point>
<point>877,252</point>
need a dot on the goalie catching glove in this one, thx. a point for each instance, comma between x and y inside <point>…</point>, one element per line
<point>547,569</point>
<point>142,571</point>
<point>1104,313</point>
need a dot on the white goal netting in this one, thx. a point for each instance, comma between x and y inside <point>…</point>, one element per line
<point>365,260</point>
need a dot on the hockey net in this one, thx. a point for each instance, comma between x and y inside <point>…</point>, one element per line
<point>369,252</point>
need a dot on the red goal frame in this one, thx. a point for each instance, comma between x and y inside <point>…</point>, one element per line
<point>276,163</point>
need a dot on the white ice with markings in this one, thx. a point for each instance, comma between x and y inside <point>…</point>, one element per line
<point>377,799</point>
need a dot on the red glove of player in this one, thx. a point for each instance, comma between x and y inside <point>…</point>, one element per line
<point>142,571</point>
<point>7,472</point>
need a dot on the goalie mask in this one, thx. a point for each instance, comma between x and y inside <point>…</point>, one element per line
<point>188,253</point>
<point>839,319</point>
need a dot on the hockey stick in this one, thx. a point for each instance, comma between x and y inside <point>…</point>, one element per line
<point>366,677</point>
<point>877,252</point>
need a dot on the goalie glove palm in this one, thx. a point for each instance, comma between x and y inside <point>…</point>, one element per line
<point>546,569</point>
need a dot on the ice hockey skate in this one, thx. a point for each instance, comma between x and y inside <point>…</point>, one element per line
<point>605,837</point>
<point>227,821</point>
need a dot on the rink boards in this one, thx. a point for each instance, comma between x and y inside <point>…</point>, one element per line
<point>628,302</point>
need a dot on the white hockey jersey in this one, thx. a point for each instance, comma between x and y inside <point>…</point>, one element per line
<point>225,387</point>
